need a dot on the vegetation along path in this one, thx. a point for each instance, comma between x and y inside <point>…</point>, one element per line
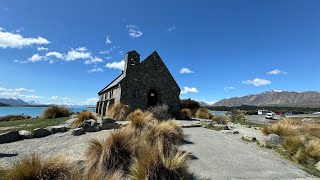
<point>220,156</point>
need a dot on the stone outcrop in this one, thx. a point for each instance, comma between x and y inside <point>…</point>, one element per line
<point>41,132</point>
<point>108,123</point>
<point>10,136</point>
<point>272,140</point>
<point>57,129</point>
<point>77,132</point>
<point>25,134</point>
<point>90,125</point>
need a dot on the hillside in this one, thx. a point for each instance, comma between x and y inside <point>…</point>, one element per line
<point>3,104</point>
<point>13,101</point>
<point>275,98</point>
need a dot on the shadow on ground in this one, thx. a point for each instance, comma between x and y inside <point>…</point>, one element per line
<point>2,155</point>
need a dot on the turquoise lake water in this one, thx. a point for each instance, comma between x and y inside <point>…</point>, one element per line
<point>219,112</point>
<point>33,111</point>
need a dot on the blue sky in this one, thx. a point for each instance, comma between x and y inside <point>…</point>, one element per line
<point>66,51</point>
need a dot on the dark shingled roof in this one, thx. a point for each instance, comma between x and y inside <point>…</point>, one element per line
<point>113,83</point>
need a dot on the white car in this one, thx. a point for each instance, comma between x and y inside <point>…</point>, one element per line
<point>316,113</point>
<point>269,115</point>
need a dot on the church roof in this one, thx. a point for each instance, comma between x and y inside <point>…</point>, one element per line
<point>114,82</point>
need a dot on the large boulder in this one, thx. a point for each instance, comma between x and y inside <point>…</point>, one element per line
<point>10,136</point>
<point>57,129</point>
<point>25,134</point>
<point>272,140</point>
<point>90,125</point>
<point>41,132</point>
<point>77,132</point>
<point>109,124</point>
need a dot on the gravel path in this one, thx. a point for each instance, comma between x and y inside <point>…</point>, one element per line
<point>216,155</point>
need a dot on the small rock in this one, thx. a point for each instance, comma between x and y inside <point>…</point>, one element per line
<point>90,125</point>
<point>25,134</point>
<point>249,138</point>
<point>226,131</point>
<point>77,132</point>
<point>41,132</point>
<point>235,132</point>
<point>108,123</point>
<point>224,127</point>
<point>57,129</point>
<point>10,136</point>
<point>272,140</point>
<point>318,165</point>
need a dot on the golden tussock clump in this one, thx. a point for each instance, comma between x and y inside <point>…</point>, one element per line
<point>56,112</point>
<point>84,115</point>
<point>118,112</point>
<point>185,113</point>
<point>113,153</point>
<point>203,113</point>
<point>36,167</point>
<point>140,120</point>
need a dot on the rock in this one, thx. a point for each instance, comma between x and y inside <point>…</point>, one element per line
<point>249,138</point>
<point>108,123</point>
<point>90,125</point>
<point>235,132</point>
<point>77,132</point>
<point>10,136</point>
<point>57,129</point>
<point>41,132</point>
<point>222,126</point>
<point>272,140</point>
<point>25,134</point>
<point>247,126</point>
<point>226,131</point>
<point>318,165</point>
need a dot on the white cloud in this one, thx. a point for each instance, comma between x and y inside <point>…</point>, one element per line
<point>35,58</point>
<point>276,72</point>
<point>172,28</point>
<point>96,70</point>
<point>61,98</point>
<point>2,29</point>
<point>108,57</point>
<point>257,82</point>
<point>134,31</point>
<point>90,101</point>
<point>78,53</point>
<point>21,62</point>
<point>93,60</point>
<point>18,94</point>
<point>228,88</point>
<point>11,40</point>
<point>116,65</point>
<point>189,90</point>
<point>16,89</point>
<point>108,41</point>
<point>108,51</point>
<point>55,54</point>
<point>185,71</point>
<point>42,49</point>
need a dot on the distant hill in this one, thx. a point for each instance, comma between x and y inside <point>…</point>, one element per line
<point>13,101</point>
<point>3,104</point>
<point>275,98</point>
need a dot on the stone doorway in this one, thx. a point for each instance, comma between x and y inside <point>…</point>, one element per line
<point>152,98</point>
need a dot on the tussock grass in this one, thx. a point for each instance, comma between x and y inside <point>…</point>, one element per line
<point>14,117</point>
<point>313,148</point>
<point>98,174</point>
<point>118,112</point>
<point>220,119</point>
<point>160,112</point>
<point>150,163</point>
<point>113,153</point>
<point>185,113</point>
<point>140,121</point>
<point>56,112</point>
<point>36,167</point>
<point>81,117</point>
<point>203,113</point>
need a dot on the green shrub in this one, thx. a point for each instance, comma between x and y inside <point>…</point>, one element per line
<point>190,104</point>
<point>56,112</point>
<point>160,112</point>
<point>236,115</point>
<point>14,117</point>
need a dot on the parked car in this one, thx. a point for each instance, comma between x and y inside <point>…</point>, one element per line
<point>316,113</point>
<point>269,115</point>
<point>263,112</point>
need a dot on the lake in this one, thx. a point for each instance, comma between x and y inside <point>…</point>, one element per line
<point>219,112</point>
<point>33,111</point>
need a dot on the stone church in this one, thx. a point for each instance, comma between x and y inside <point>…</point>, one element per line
<point>141,85</point>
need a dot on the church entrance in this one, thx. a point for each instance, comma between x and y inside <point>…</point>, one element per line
<point>152,98</point>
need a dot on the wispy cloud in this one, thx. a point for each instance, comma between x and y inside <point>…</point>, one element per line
<point>35,58</point>
<point>171,28</point>
<point>78,53</point>
<point>228,88</point>
<point>65,99</point>
<point>55,54</point>
<point>257,82</point>
<point>186,90</point>
<point>185,71</point>
<point>134,31</point>
<point>16,89</point>
<point>42,49</point>
<point>90,101</point>
<point>93,60</point>
<point>276,72</point>
<point>108,41</point>
<point>108,51</point>
<point>11,40</point>
<point>116,65</point>
<point>95,70</point>
<point>18,92</point>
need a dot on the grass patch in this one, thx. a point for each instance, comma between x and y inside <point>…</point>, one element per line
<point>84,115</point>
<point>14,117</point>
<point>56,112</point>
<point>246,123</point>
<point>29,124</point>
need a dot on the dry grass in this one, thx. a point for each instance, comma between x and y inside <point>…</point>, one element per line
<point>203,113</point>
<point>313,148</point>
<point>98,174</point>
<point>160,112</point>
<point>113,153</point>
<point>36,167</point>
<point>185,113</point>
<point>56,112</point>
<point>220,119</point>
<point>150,163</point>
<point>140,121</point>
<point>84,115</point>
<point>118,112</point>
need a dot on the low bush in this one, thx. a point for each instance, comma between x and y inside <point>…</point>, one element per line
<point>236,115</point>
<point>189,104</point>
<point>185,113</point>
<point>118,112</point>
<point>140,121</point>
<point>220,119</point>
<point>37,167</point>
<point>203,113</point>
<point>14,117</point>
<point>113,153</point>
<point>81,117</point>
<point>160,112</point>
<point>56,112</point>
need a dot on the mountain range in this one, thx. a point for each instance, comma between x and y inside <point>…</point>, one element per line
<point>275,98</point>
<point>13,101</point>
